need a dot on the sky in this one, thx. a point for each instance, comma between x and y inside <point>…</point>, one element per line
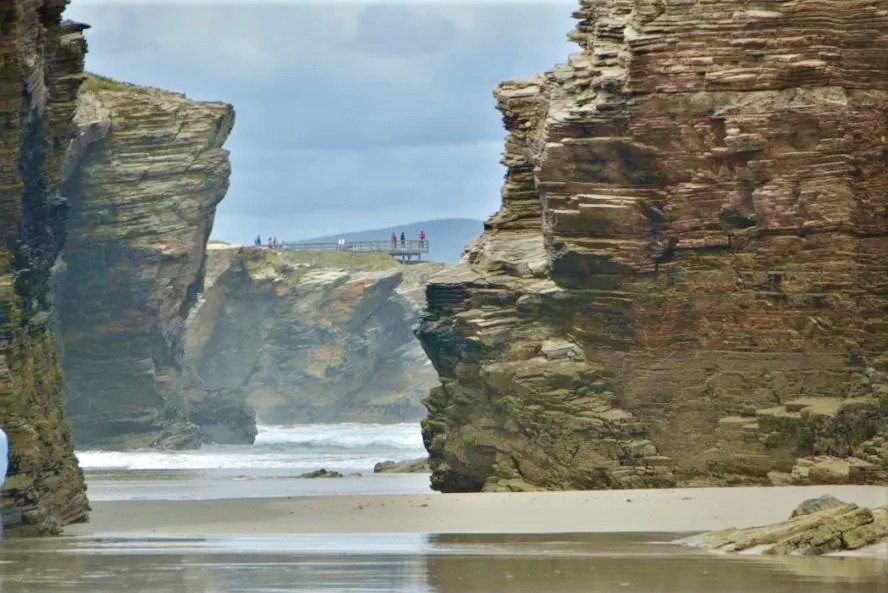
<point>349,115</point>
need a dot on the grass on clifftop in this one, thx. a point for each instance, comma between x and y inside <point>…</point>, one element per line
<point>340,259</point>
<point>94,82</point>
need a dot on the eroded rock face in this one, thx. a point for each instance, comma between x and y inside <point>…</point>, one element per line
<point>686,281</point>
<point>144,179</point>
<point>307,337</point>
<point>41,63</point>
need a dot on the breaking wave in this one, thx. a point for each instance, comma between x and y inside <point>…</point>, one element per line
<point>347,446</point>
<point>348,435</point>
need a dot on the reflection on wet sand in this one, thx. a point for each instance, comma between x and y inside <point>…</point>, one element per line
<point>413,563</point>
<point>628,562</point>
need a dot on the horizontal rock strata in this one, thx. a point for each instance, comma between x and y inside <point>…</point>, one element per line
<point>686,282</point>
<point>144,179</point>
<point>307,337</point>
<point>41,63</point>
<point>818,526</point>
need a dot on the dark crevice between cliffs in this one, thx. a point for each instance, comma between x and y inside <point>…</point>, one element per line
<point>42,230</point>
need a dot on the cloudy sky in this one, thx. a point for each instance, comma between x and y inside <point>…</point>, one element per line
<point>350,115</point>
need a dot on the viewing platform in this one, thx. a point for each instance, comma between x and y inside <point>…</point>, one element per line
<point>404,251</point>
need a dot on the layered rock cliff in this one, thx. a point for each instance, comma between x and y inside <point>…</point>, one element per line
<point>41,63</point>
<point>143,179</point>
<point>686,282</point>
<point>306,337</point>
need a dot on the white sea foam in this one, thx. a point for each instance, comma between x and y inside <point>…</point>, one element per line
<point>350,447</point>
<point>347,435</point>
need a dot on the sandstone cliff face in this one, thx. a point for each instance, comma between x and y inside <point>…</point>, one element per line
<point>41,63</point>
<point>144,178</point>
<point>307,337</point>
<point>686,282</point>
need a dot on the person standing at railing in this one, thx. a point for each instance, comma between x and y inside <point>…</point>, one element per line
<point>394,240</point>
<point>422,237</point>
<point>403,240</point>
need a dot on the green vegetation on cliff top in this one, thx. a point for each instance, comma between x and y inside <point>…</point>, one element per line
<point>324,259</point>
<point>95,82</point>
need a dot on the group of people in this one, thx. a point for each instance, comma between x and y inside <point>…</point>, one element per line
<point>272,242</point>
<point>422,240</point>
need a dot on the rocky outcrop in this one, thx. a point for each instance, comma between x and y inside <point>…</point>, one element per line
<point>41,63</point>
<point>320,473</point>
<point>306,337</point>
<point>144,178</point>
<point>686,281</point>
<point>411,466</point>
<point>818,526</point>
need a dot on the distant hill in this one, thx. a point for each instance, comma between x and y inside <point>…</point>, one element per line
<point>446,236</point>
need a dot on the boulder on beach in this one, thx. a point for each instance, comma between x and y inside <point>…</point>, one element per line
<point>817,526</point>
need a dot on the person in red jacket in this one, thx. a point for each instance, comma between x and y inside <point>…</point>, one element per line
<point>422,238</point>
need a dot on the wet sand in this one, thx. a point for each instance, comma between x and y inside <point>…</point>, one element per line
<point>416,563</point>
<point>605,511</point>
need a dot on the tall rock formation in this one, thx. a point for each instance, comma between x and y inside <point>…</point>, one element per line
<point>143,179</point>
<point>306,337</point>
<point>41,63</point>
<point>687,280</point>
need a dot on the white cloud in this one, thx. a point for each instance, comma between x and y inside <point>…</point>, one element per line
<point>344,120</point>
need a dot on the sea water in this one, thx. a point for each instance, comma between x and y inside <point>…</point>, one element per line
<point>271,467</point>
<point>346,447</point>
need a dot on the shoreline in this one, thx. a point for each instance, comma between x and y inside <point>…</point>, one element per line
<point>678,510</point>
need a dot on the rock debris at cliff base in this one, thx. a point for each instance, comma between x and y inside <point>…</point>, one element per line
<point>686,282</point>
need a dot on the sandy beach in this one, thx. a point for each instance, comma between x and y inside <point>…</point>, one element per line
<point>606,511</point>
<point>558,542</point>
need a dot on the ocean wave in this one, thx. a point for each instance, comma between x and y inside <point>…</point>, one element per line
<point>153,460</point>
<point>349,435</point>
<point>341,447</point>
